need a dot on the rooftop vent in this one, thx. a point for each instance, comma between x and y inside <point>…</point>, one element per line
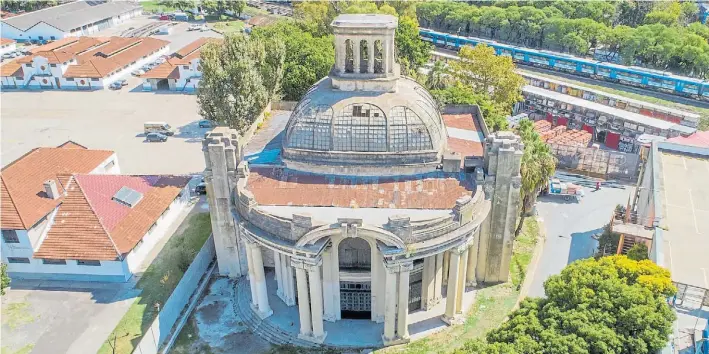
<point>128,197</point>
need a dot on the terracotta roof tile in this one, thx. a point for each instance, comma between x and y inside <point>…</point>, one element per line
<point>11,68</point>
<point>5,41</point>
<point>465,147</point>
<point>10,218</point>
<point>91,225</point>
<point>437,190</point>
<point>77,232</point>
<point>163,71</point>
<point>119,52</point>
<point>461,121</point>
<point>24,179</point>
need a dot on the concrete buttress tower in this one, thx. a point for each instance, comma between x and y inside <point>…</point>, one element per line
<point>222,154</point>
<point>503,157</point>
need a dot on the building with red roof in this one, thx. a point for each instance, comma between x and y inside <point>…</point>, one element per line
<point>181,72</point>
<point>68,214</point>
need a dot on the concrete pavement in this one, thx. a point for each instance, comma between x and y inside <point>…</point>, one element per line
<point>570,225</point>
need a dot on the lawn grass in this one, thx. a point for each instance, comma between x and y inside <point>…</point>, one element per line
<point>16,315</point>
<point>703,112</point>
<point>154,6</point>
<point>158,282</point>
<point>491,306</point>
<point>226,25</point>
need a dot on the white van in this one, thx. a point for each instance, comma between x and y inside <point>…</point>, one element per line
<point>158,127</point>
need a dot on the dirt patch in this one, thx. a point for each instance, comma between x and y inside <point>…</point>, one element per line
<point>211,313</point>
<point>245,342</point>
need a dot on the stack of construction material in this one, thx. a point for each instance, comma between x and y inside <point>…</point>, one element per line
<point>541,126</point>
<point>572,137</point>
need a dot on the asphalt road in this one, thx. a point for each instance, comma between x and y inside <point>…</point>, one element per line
<point>570,225</point>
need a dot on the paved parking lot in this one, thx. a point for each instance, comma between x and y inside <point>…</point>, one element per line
<point>110,120</point>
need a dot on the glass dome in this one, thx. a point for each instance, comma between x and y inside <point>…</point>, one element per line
<point>360,121</point>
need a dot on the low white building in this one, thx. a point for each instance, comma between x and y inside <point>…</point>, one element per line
<point>78,18</point>
<point>7,45</point>
<point>181,72</point>
<point>68,215</point>
<point>81,63</point>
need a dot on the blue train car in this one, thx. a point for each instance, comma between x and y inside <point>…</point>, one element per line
<point>640,77</point>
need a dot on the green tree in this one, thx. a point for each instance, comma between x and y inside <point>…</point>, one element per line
<point>607,242</point>
<point>638,252</point>
<point>4,278</point>
<point>307,58</point>
<point>611,305</point>
<point>438,77</point>
<point>487,73</point>
<point>178,4</point>
<point>538,166</point>
<point>411,51</point>
<point>239,77</point>
<point>318,15</point>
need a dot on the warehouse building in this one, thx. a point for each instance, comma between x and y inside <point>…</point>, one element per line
<point>79,18</point>
<point>181,72</point>
<point>81,63</point>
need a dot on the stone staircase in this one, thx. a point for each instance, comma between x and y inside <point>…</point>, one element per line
<point>272,333</point>
<point>263,328</point>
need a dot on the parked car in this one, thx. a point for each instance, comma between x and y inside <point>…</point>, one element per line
<point>138,72</point>
<point>123,82</point>
<point>203,28</point>
<point>164,18</point>
<point>155,137</point>
<point>7,56</point>
<point>116,85</point>
<point>160,60</point>
<point>204,123</point>
<point>194,27</point>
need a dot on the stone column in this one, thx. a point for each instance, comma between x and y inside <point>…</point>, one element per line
<point>463,264</point>
<point>472,262</point>
<point>356,51</point>
<point>370,53</point>
<point>446,266</point>
<point>288,282</point>
<point>389,335</point>
<point>452,291</point>
<point>316,303</point>
<point>438,288</point>
<point>306,324</point>
<point>340,54</point>
<point>386,58</point>
<point>264,309</point>
<point>329,286</point>
<point>252,277</point>
<point>378,286</point>
<point>428,284</point>
<point>279,275</point>
<point>402,322</point>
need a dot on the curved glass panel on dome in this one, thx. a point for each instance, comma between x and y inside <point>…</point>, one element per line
<point>360,127</point>
<point>407,132</point>
<point>311,128</point>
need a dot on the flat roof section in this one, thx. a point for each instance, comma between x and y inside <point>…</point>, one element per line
<point>464,135</point>
<point>67,17</point>
<point>436,190</point>
<point>631,101</point>
<point>626,115</point>
<point>685,193</point>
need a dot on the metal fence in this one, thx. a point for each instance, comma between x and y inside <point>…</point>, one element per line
<point>597,163</point>
<point>178,300</point>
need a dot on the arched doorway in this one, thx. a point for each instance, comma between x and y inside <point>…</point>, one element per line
<point>355,294</point>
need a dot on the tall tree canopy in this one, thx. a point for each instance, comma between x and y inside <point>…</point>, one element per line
<point>656,34</point>
<point>611,305</point>
<point>538,165</point>
<point>239,77</point>
<point>308,58</point>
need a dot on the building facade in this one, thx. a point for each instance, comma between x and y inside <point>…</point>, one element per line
<point>368,214</point>
<point>64,215</point>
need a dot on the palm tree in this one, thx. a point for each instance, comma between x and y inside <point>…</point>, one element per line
<point>438,77</point>
<point>538,165</point>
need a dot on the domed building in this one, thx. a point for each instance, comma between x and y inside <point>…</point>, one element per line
<point>378,212</point>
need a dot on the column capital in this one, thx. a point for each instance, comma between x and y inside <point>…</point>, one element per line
<point>405,266</point>
<point>305,265</point>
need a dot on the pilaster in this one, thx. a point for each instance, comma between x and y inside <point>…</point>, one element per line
<point>452,291</point>
<point>438,277</point>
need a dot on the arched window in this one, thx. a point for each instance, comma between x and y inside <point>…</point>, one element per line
<point>363,56</point>
<point>349,56</point>
<point>311,128</point>
<point>354,253</point>
<point>378,57</point>
<point>407,131</point>
<point>360,127</point>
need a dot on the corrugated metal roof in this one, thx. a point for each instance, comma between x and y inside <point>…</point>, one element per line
<point>72,15</point>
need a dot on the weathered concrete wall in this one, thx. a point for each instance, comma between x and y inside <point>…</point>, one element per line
<point>503,156</point>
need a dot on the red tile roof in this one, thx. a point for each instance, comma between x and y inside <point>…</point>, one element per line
<point>90,225</point>
<point>106,59</point>
<point>699,138</point>
<point>23,179</point>
<point>169,69</point>
<point>6,41</point>
<point>438,190</point>
<point>461,121</point>
<point>465,147</point>
<point>11,68</point>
